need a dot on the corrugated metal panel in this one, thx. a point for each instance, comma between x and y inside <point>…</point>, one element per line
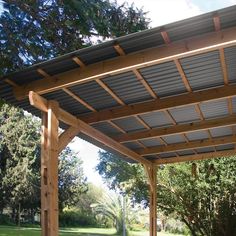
<point>59,67</point>
<point>225,147</point>
<point>99,53</point>
<point>234,104</point>
<point>191,27</point>
<point>227,19</point>
<point>164,79</point>
<point>67,102</point>
<point>151,157</point>
<point>184,114</point>
<point>186,152</point>
<point>222,131</point>
<point>176,138</point>
<point>132,145</point>
<point>137,42</point>
<point>230,60</point>
<point>197,135</point>
<point>156,119</point>
<point>94,95</point>
<point>106,128</point>
<point>203,71</point>
<point>205,149</point>
<point>167,154</point>
<point>152,142</point>
<point>127,87</point>
<point>129,124</point>
<point>215,109</point>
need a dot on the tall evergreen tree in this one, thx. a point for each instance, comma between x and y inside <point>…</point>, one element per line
<point>32,31</point>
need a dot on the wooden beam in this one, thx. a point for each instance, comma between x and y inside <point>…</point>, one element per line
<point>176,50</point>
<point>198,157</point>
<point>161,104</point>
<point>66,137</point>
<point>78,61</point>
<point>78,99</point>
<point>12,83</point>
<point>165,37</point>
<point>216,20</point>
<point>153,200</point>
<point>40,103</point>
<point>186,146</point>
<point>49,171</point>
<point>105,87</point>
<point>177,129</point>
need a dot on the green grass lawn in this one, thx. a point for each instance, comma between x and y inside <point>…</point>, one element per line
<point>15,231</point>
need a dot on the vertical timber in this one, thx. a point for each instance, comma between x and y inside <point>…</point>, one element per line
<point>49,170</point>
<point>152,176</point>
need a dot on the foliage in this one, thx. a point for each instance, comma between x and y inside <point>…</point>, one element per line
<point>32,31</point>
<point>72,182</point>
<point>20,166</point>
<point>205,201</point>
<point>18,151</point>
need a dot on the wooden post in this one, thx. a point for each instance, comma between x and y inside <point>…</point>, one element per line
<point>153,201</point>
<point>49,170</point>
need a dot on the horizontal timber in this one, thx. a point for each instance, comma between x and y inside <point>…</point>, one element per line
<point>176,50</point>
<point>161,104</point>
<point>186,146</point>
<point>41,104</point>
<point>197,157</point>
<point>177,129</point>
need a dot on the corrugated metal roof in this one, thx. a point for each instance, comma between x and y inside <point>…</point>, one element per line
<point>197,135</point>
<point>94,95</point>
<point>230,60</point>
<point>152,142</point>
<point>156,119</point>
<point>213,109</point>
<point>180,114</point>
<point>164,79</point>
<point>202,71</point>
<point>129,124</point>
<point>127,87</point>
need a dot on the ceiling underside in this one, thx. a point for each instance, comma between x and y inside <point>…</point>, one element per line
<point>153,134</point>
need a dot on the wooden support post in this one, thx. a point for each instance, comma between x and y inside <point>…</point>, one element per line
<point>49,170</point>
<point>152,177</point>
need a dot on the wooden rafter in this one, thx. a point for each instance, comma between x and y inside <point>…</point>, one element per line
<point>78,61</point>
<point>41,103</point>
<point>161,104</point>
<point>187,146</point>
<point>176,50</point>
<point>197,157</point>
<point>177,129</point>
<point>12,83</point>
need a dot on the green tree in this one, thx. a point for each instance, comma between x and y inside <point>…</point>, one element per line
<point>72,182</point>
<point>201,195</point>
<point>32,31</point>
<point>18,151</point>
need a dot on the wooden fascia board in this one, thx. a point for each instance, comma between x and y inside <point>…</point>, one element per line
<point>176,50</point>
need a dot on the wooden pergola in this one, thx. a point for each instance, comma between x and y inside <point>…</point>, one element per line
<point>164,95</point>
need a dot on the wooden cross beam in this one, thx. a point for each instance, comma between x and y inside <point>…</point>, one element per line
<point>161,104</point>
<point>177,129</point>
<point>187,146</point>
